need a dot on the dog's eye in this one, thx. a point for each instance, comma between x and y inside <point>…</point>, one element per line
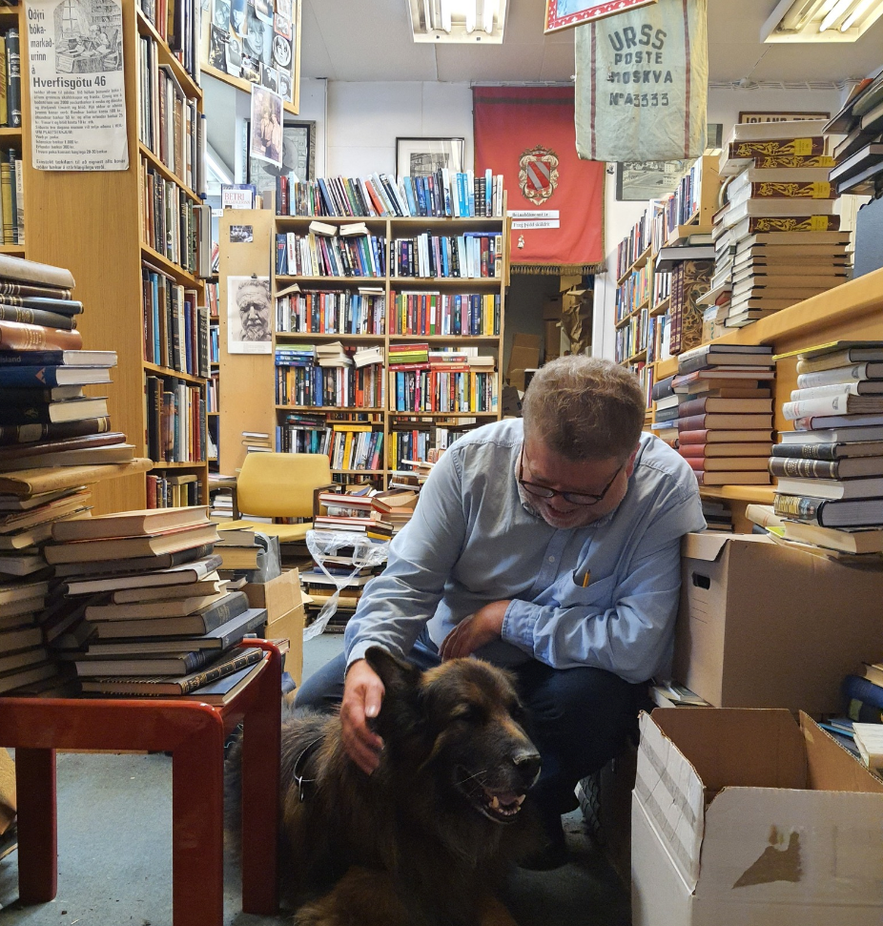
<point>468,713</point>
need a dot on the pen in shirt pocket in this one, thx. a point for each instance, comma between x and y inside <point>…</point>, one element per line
<point>582,577</point>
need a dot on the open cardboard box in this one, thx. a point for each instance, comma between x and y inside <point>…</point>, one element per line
<point>744,816</point>
<point>283,599</point>
<point>760,625</point>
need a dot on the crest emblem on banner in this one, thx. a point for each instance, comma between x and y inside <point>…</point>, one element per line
<point>538,174</point>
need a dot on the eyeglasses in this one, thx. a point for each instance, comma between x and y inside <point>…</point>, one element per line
<point>572,498</point>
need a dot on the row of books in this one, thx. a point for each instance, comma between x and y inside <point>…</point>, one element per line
<point>859,152</point>
<point>777,238</point>
<point>829,469</point>
<point>442,390</point>
<point>173,490</point>
<point>176,328</point>
<point>172,223</point>
<point>305,383</point>
<point>326,254</point>
<point>332,311</point>
<point>717,411</point>
<point>170,124</point>
<point>424,313</point>
<point>472,255</point>
<point>12,208</point>
<point>440,194</point>
<point>176,422</point>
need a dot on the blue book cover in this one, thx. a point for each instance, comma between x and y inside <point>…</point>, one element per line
<point>408,184</point>
<point>856,688</point>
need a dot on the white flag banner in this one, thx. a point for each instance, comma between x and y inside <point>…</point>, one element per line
<point>77,85</point>
<point>642,83</point>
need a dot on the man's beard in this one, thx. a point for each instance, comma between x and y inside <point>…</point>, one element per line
<point>253,333</point>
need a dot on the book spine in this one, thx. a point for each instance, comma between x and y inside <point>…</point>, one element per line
<point>800,507</point>
<point>13,77</point>
<point>228,667</point>
<point>839,376</point>
<point>856,688</point>
<point>820,469</point>
<point>19,336</point>
<point>29,316</point>
<point>806,451</point>
<point>810,223</point>
<point>803,147</point>
<point>822,405</point>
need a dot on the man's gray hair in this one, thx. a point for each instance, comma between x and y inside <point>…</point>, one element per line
<point>584,408</point>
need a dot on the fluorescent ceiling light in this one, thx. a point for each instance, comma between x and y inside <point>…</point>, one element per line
<point>444,21</point>
<point>820,20</point>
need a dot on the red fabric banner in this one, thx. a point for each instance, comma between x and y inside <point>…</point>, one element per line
<point>527,134</point>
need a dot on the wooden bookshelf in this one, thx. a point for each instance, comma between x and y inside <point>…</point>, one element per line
<point>391,417</point>
<point>91,223</point>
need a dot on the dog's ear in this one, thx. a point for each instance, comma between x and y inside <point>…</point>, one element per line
<point>400,709</point>
<point>398,677</point>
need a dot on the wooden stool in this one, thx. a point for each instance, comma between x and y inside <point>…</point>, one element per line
<point>194,733</point>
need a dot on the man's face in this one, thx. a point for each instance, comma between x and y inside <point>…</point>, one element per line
<point>254,314</point>
<point>544,468</point>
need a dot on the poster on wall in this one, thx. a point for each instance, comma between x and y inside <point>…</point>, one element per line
<point>248,315</point>
<point>298,157</point>
<point>266,123</point>
<point>77,85</point>
<point>257,41</point>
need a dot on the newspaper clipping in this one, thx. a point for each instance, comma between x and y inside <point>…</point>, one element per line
<point>78,98</point>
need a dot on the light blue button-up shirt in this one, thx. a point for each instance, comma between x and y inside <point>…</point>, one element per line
<point>473,540</point>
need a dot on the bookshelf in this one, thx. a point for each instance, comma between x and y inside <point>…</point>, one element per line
<point>398,413</point>
<point>14,142</point>
<point>850,310</point>
<point>101,226</point>
<point>643,298</point>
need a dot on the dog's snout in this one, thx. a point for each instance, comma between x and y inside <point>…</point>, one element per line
<point>528,763</point>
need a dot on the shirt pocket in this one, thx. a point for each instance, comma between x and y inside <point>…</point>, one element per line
<point>598,593</point>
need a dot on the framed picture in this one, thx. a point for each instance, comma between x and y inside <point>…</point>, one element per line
<point>779,116</point>
<point>564,14</point>
<point>249,315</point>
<point>641,180</point>
<point>298,157</point>
<point>418,157</point>
<point>266,122</point>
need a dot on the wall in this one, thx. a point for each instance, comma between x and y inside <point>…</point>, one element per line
<point>364,120</point>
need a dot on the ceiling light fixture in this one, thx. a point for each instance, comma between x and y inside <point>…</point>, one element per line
<point>442,21</point>
<point>820,20</point>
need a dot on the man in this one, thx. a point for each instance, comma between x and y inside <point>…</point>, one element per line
<point>253,301</point>
<point>549,544</point>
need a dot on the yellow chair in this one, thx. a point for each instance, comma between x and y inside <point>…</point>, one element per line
<point>279,485</point>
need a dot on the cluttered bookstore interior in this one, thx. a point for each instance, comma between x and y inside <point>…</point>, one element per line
<point>273,259</point>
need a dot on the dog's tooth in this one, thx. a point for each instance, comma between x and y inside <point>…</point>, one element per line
<point>519,800</point>
<point>495,803</point>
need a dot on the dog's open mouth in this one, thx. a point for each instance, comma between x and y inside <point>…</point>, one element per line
<point>497,805</point>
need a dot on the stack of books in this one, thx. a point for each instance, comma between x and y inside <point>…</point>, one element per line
<point>332,354</point>
<point>829,469</point>
<point>777,239</point>
<point>718,516</point>
<point>724,412</point>
<point>24,658</point>
<point>394,507</point>
<point>151,615</point>
<point>257,442</point>
<point>409,355</point>
<point>859,153</point>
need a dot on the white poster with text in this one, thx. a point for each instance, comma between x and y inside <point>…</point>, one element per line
<point>77,84</point>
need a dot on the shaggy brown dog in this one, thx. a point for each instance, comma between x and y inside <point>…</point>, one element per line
<point>426,839</point>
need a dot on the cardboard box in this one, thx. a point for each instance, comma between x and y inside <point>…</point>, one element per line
<point>742,816</point>
<point>760,625</point>
<point>290,626</point>
<point>278,596</point>
<point>525,355</point>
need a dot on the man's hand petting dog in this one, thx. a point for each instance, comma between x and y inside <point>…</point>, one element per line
<point>475,631</point>
<point>362,696</point>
